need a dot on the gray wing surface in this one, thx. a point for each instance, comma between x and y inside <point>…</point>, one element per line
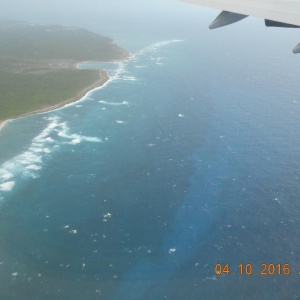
<point>277,13</point>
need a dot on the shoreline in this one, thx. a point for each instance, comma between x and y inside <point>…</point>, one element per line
<point>103,78</point>
<point>3,123</point>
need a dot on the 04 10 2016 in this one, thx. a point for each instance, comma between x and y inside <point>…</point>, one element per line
<point>248,269</point>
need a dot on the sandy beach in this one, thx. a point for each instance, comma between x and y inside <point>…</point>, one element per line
<point>3,123</point>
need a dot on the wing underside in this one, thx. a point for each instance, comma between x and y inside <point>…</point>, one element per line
<point>277,13</point>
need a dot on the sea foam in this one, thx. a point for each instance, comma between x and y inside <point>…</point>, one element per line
<point>7,186</point>
<point>33,167</point>
<point>4,175</point>
<point>29,163</point>
<point>114,103</point>
<point>64,132</point>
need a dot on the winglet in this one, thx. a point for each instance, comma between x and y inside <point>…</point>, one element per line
<point>297,49</point>
<point>226,18</point>
<point>270,23</point>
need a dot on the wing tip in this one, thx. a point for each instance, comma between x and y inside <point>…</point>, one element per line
<point>226,18</point>
<point>296,50</point>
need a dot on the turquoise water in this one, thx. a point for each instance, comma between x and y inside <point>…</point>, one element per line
<point>180,162</point>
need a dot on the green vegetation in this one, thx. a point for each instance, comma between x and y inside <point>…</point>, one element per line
<point>37,65</point>
<point>24,93</point>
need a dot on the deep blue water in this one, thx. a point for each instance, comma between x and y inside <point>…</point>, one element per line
<point>186,158</point>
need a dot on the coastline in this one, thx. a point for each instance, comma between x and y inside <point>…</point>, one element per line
<point>3,123</point>
<point>103,78</point>
<point>35,90</point>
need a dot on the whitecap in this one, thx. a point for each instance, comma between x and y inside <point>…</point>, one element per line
<point>47,140</point>
<point>33,167</point>
<point>154,47</point>
<point>52,125</point>
<point>75,141</point>
<point>113,103</point>
<point>129,78</point>
<point>27,158</point>
<point>39,150</point>
<point>35,149</point>
<point>7,186</point>
<point>63,133</point>
<point>119,71</point>
<point>172,250</point>
<point>76,138</point>
<point>91,139</point>
<point>27,173</point>
<point>5,175</point>
<point>46,150</point>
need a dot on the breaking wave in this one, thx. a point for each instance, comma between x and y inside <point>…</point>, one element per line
<point>30,162</point>
<point>114,103</point>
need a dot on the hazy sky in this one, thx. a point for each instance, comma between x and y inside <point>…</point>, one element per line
<point>37,9</point>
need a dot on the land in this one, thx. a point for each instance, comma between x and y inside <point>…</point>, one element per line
<point>38,66</point>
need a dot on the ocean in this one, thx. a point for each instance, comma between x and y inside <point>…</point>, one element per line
<point>177,179</point>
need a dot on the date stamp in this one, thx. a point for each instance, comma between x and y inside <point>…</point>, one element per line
<point>263,269</point>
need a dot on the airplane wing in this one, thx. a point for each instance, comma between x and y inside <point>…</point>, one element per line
<point>277,13</point>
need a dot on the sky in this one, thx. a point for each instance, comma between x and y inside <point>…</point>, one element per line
<point>35,9</point>
<point>106,13</point>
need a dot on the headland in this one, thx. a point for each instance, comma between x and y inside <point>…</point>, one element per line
<point>38,70</point>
